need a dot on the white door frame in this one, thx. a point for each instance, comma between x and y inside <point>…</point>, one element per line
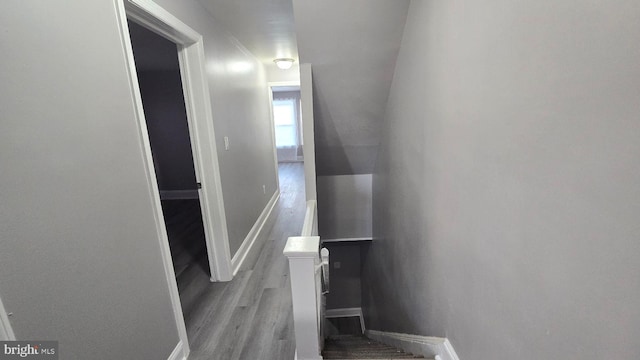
<point>308,135</point>
<point>271,85</point>
<point>200,120</point>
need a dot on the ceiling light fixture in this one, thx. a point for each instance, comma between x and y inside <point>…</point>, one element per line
<point>284,63</point>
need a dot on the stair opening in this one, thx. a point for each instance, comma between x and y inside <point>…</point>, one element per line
<point>361,347</point>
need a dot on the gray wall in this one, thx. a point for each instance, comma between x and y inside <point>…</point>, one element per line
<point>241,111</point>
<point>345,210</point>
<point>506,195</point>
<point>352,46</point>
<point>274,74</point>
<point>80,256</point>
<point>345,288</point>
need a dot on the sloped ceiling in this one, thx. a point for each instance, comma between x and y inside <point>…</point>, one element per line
<point>352,46</point>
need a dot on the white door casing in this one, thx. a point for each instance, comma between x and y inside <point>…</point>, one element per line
<point>199,117</point>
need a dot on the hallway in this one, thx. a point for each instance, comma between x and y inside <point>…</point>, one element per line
<point>249,317</point>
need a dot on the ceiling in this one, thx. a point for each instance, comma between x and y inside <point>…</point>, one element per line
<point>265,27</point>
<point>352,46</point>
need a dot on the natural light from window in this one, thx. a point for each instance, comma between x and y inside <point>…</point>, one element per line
<point>284,117</point>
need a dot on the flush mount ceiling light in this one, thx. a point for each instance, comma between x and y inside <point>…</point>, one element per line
<point>284,63</point>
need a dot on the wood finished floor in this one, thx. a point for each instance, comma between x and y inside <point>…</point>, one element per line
<point>251,316</point>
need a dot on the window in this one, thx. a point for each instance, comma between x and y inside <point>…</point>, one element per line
<point>284,117</point>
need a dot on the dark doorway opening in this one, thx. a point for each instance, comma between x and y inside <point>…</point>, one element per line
<point>160,83</point>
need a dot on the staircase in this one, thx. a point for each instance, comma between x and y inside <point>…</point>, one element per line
<point>309,270</point>
<point>360,347</point>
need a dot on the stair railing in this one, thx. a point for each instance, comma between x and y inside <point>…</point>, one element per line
<point>324,257</point>
<point>309,273</point>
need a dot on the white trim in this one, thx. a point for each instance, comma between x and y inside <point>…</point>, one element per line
<point>347,239</point>
<point>273,135</point>
<point>250,240</point>
<point>152,16</point>
<point>179,194</point>
<point>205,156</point>
<point>283,83</point>
<point>150,173</point>
<point>303,247</point>
<point>178,352</point>
<point>6,331</point>
<point>306,294</point>
<point>449,351</point>
<point>416,344</point>
<point>200,119</point>
<point>270,86</point>
<point>346,312</point>
<point>122,11</point>
<point>308,137</point>
<point>310,216</point>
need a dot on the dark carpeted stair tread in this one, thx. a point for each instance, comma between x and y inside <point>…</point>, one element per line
<point>363,351</point>
<point>379,348</point>
<point>334,356</point>
<point>360,347</point>
<point>357,346</point>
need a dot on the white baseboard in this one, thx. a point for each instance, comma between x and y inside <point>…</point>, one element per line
<point>416,344</point>
<point>250,240</point>
<point>346,312</point>
<point>347,239</point>
<point>449,351</point>
<point>178,194</point>
<point>178,353</point>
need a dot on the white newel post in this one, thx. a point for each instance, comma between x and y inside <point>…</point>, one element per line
<point>302,252</point>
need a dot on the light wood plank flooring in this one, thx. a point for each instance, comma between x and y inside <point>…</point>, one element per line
<point>249,317</point>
